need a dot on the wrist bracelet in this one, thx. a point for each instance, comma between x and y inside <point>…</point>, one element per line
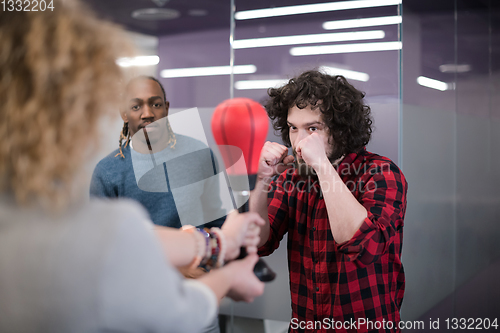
<point>212,253</point>
<point>207,250</point>
<point>222,246</point>
<point>199,246</point>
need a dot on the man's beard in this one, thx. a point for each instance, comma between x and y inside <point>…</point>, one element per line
<point>146,141</point>
<point>306,171</point>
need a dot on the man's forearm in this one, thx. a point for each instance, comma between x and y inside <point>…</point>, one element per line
<point>258,204</point>
<point>345,213</point>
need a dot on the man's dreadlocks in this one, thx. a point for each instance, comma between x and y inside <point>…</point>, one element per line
<point>125,133</point>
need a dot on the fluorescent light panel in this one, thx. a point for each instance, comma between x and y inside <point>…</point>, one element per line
<point>364,22</point>
<point>307,39</point>
<point>138,61</point>
<point>348,74</point>
<point>207,71</point>
<point>312,8</point>
<point>345,48</point>
<point>431,83</point>
<point>452,68</point>
<point>266,84</point>
<point>259,84</point>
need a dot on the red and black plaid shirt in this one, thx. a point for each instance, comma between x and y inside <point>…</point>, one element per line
<point>361,279</point>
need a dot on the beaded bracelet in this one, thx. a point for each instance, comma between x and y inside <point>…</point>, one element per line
<point>222,245</point>
<point>207,253</point>
<point>210,247</point>
<point>213,250</point>
<point>200,246</point>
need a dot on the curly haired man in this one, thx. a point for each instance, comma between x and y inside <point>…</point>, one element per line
<point>342,207</point>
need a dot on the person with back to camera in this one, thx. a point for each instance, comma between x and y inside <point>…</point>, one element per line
<point>342,207</point>
<point>67,265</point>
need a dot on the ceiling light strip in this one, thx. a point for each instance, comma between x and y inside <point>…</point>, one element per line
<point>308,39</point>
<point>433,84</point>
<point>312,8</point>
<point>345,48</point>
<point>259,84</point>
<point>453,68</point>
<point>138,61</point>
<point>266,84</point>
<point>348,74</point>
<point>364,22</point>
<point>207,71</point>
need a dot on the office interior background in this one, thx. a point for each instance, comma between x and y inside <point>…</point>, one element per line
<point>431,73</point>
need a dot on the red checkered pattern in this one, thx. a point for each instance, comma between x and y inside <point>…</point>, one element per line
<point>362,278</point>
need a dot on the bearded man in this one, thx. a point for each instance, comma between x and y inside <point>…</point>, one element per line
<point>342,207</point>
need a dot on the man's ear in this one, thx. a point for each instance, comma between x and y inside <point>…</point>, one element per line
<point>167,106</point>
<point>124,116</point>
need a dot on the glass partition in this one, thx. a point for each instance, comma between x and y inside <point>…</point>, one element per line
<point>450,133</point>
<point>441,127</point>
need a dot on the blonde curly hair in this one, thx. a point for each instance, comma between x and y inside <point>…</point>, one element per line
<point>58,78</point>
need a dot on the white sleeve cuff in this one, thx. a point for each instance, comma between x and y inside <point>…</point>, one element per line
<point>212,308</point>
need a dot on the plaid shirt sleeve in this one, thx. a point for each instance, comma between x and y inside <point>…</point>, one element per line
<point>384,197</point>
<point>277,201</point>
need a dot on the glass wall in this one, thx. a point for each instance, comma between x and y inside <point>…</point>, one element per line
<point>450,133</point>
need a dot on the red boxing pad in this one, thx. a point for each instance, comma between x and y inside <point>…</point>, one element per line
<point>240,122</point>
